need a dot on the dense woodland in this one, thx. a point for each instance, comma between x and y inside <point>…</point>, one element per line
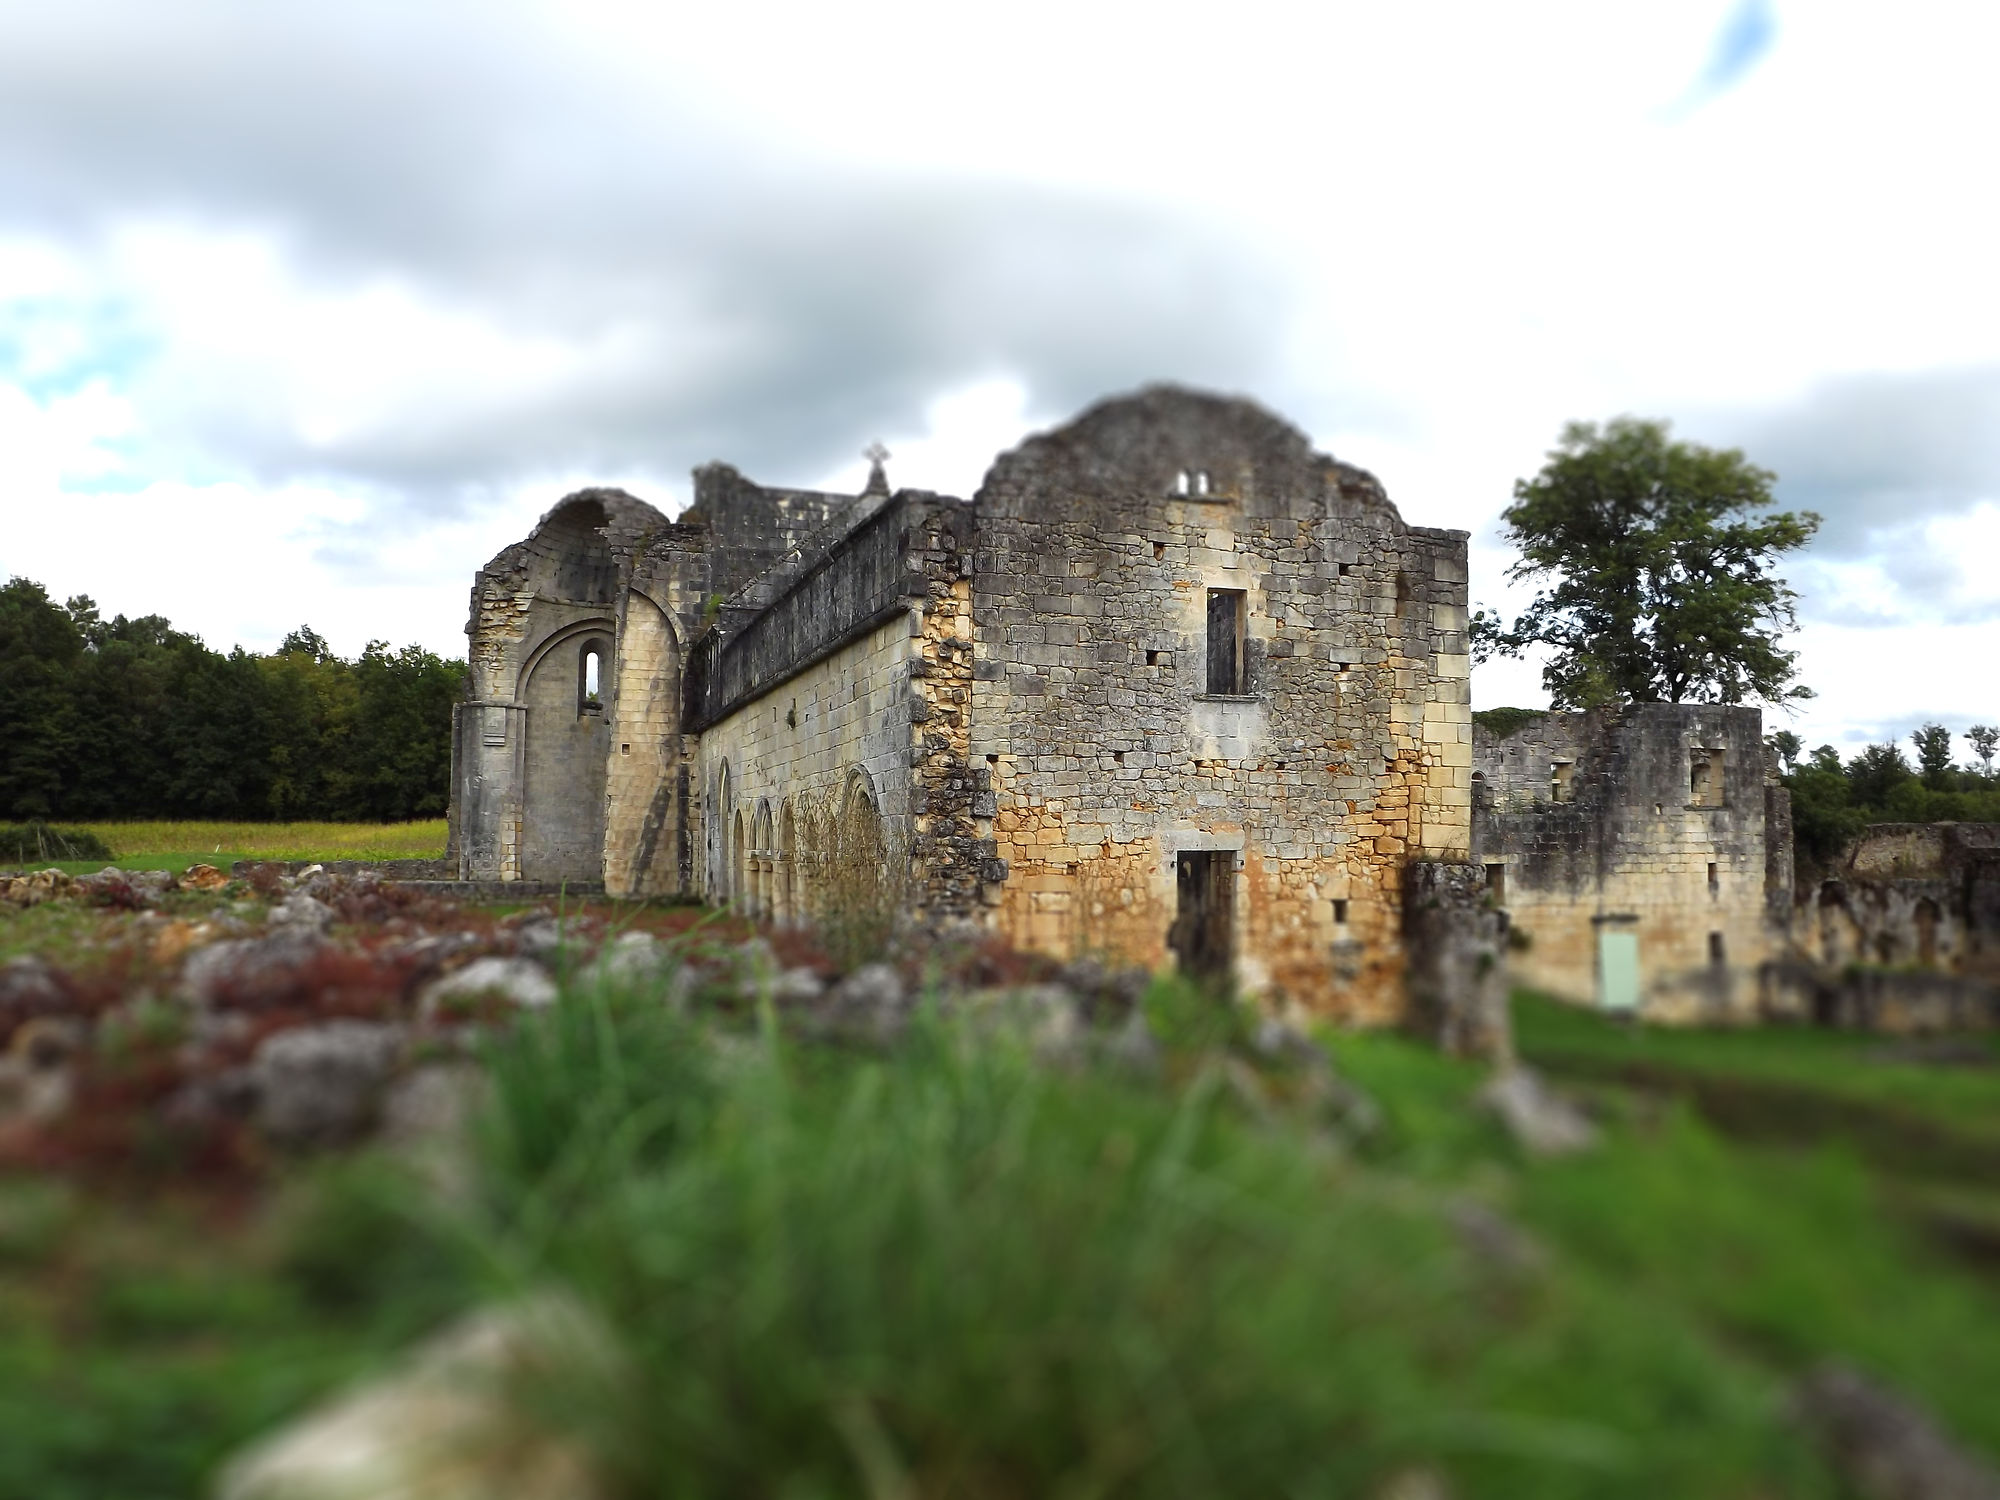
<point>126,718</point>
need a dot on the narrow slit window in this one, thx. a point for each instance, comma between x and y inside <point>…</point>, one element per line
<point>1225,642</point>
<point>1496,884</point>
<point>1340,911</point>
<point>589,678</point>
<point>1717,955</point>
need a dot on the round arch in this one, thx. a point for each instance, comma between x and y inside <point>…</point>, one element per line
<point>576,632</point>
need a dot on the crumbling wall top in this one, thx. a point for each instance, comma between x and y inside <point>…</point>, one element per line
<point>1168,441</point>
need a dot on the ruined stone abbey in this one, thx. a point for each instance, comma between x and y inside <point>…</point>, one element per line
<point>1171,687</point>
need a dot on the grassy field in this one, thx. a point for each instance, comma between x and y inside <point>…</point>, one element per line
<point>998,1279</point>
<point>175,846</point>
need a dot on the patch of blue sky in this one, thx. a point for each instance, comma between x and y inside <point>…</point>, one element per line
<point>52,347</point>
<point>1746,36</point>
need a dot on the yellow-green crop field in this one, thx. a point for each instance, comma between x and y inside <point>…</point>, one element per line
<point>174,846</point>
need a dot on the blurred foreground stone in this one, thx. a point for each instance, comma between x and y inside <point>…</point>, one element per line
<point>457,1422</point>
<point>1884,1447</point>
<point>1539,1119</point>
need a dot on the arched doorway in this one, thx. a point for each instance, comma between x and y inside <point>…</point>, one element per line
<point>565,688</point>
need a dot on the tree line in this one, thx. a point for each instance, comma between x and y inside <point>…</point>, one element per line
<point>128,718</point>
<point>1833,800</point>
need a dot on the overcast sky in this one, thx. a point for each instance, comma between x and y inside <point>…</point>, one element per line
<point>307,309</point>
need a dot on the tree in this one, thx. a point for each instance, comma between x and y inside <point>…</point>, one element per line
<point>39,653</point>
<point>1985,739</point>
<point>1788,747</point>
<point>1876,772</point>
<point>305,641</point>
<point>1933,743</point>
<point>1655,564</point>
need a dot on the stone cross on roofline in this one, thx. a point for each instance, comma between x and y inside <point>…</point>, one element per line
<point>878,478</point>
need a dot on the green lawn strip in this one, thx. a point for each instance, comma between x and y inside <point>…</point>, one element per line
<point>1792,1255</point>
<point>1790,1083</point>
<point>1785,1185</point>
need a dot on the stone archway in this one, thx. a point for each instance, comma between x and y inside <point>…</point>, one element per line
<point>568,741</point>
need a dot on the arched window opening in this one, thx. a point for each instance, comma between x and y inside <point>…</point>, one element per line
<point>720,812</point>
<point>739,872</point>
<point>590,677</point>
<point>788,901</point>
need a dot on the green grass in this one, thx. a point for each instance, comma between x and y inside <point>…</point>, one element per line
<point>997,1279</point>
<point>175,846</point>
<point>951,1270</point>
<point>1793,1085</point>
<point>142,1341</point>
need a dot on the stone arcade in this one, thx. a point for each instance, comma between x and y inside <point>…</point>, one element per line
<point>1171,687</point>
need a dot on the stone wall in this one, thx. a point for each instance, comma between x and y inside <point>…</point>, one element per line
<point>1168,655</point>
<point>547,787</point>
<point>1653,820</point>
<point>1920,896</point>
<point>1345,748</point>
<point>528,772</point>
<point>794,759</point>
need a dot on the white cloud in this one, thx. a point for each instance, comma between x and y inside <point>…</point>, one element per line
<point>364,288</point>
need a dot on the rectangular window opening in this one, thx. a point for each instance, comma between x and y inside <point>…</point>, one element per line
<point>1225,642</point>
<point>1340,911</point>
<point>1496,883</point>
<point>1716,954</point>
<point>1714,881</point>
<point>1562,781</point>
<point>1705,777</point>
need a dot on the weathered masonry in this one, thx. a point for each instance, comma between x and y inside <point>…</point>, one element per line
<point>1643,854</point>
<point>1172,687</point>
<point>1902,933</point>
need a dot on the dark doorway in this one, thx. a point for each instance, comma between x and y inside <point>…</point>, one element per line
<point>1202,928</point>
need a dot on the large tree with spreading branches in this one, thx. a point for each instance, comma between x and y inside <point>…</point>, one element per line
<point>1655,566</point>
